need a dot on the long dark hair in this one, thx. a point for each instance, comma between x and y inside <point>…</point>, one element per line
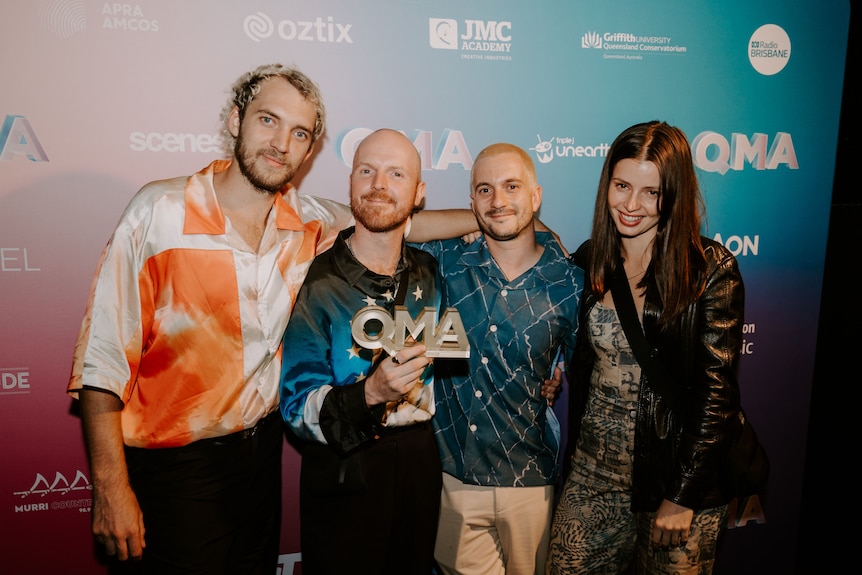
<point>677,254</point>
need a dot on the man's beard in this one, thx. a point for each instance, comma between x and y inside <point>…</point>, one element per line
<point>246,160</point>
<point>488,231</point>
<point>372,217</point>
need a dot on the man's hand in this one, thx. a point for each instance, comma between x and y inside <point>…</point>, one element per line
<point>117,521</point>
<point>552,388</point>
<point>395,376</point>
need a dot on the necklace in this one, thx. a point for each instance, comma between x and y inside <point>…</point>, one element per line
<point>636,275</point>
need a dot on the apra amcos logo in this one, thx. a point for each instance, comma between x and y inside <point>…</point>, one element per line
<point>120,16</point>
<point>64,17</point>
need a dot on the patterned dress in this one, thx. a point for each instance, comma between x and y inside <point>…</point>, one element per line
<point>594,531</point>
<point>593,519</point>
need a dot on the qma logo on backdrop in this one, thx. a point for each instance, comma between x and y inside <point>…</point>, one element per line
<point>60,493</point>
<point>259,26</point>
<point>489,38</point>
<point>712,151</point>
<point>451,149</point>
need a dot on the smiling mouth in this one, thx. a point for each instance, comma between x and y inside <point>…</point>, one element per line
<point>276,160</point>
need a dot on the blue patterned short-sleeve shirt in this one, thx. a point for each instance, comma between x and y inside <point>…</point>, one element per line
<point>493,426</point>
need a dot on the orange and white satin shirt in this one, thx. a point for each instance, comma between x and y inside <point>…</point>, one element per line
<point>185,320</point>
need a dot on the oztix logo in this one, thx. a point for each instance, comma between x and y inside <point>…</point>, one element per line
<point>259,26</point>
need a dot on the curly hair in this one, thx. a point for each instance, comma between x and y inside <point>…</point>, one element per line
<point>247,86</point>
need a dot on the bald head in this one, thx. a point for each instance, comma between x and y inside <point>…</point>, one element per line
<point>395,145</point>
<point>386,180</point>
<point>499,148</point>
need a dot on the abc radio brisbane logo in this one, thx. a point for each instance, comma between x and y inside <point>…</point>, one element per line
<point>769,49</point>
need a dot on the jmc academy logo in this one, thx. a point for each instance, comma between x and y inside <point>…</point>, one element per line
<point>486,39</point>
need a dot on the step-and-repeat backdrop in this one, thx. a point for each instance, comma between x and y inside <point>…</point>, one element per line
<point>99,98</point>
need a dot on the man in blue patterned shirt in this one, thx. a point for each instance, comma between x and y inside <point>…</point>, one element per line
<point>370,476</point>
<point>499,439</point>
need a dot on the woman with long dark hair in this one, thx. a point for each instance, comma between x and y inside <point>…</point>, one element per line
<point>642,480</point>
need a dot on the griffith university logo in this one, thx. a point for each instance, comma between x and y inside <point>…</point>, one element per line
<point>591,40</point>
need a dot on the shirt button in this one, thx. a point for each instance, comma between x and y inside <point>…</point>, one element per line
<point>504,292</point>
<point>633,413</point>
<point>484,361</point>
<point>473,427</point>
<point>493,328</point>
<point>478,393</point>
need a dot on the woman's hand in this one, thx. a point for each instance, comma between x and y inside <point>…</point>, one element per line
<point>672,525</point>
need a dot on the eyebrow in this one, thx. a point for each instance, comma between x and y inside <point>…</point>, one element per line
<point>268,112</point>
<point>506,181</point>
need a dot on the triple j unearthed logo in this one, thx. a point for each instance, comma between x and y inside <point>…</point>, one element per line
<point>565,147</point>
<point>544,150</point>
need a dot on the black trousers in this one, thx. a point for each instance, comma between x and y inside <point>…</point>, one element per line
<point>375,512</point>
<point>214,506</point>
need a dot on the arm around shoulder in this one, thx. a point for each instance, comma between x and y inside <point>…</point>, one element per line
<point>441,225</point>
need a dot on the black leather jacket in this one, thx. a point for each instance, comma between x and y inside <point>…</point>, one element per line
<point>677,453</point>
